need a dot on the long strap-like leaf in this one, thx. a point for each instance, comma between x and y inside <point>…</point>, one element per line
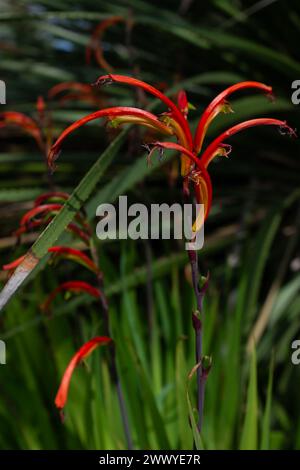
<point>52,232</point>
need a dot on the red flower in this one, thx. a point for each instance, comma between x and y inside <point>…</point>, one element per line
<point>47,211</point>
<point>218,143</point>
<point>200,177</point>
<point>75,255</point>
<point>32,213</point>
<point>75,91</point>
<point>219,104</point>
<point>135,115</point>
<point>41,107</point>
<point>76,287</point>
<point>81,354</point>
<point>183,104</point>
<point>13,118</point>
<point>181,127</point>
<point>174,123</point>
<point>14,264</point>
<point>95,42</point>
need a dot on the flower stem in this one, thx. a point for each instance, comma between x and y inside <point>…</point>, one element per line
<point>112,363</point>
<point>197,325</point>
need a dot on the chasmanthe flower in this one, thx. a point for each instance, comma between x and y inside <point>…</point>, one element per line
<point>173,123</point>
<point>81,354</point>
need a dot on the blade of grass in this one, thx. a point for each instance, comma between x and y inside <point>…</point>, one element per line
<point>266,425</point>
<point>249,432</point>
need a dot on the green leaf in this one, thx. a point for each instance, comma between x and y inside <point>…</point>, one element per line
<point>249,432</point>
<point>56,227</point>
<point>266,425</point>
<point>192,413</point>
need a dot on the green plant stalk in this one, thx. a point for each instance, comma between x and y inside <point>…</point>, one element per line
<point>113,363</point>
<point>197,325</point>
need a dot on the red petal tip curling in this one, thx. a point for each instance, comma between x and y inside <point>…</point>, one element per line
<point>216,106</point>
<point>143,117</point>
<point>219,141</point>
<point>77,287</point>
<point>81,354</point>
<point>42,209</point>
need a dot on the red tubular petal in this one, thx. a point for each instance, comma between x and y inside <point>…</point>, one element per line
<point>40,106</point>
<point>14,264</point>
<point>220,99</point>
<point>205,158</point>
<point>71,286</point>
<point>108,112</point>
<point>176,113</point>
<point>197,161</point>
<point>95,42</point>
<point>72,253</point>
<point>82,234</point>
<point>23,121</point>
<point>183,104</point>
<point>181,149</point>
<point>82,353</point>
<point>39,210</point>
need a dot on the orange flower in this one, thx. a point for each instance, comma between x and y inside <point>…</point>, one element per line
<point>174,123</point>
<point>81,354</point>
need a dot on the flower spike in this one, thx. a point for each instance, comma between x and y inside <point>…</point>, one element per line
<point>220,104</point>
<point>174,123</point>
<point>81,354</point>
